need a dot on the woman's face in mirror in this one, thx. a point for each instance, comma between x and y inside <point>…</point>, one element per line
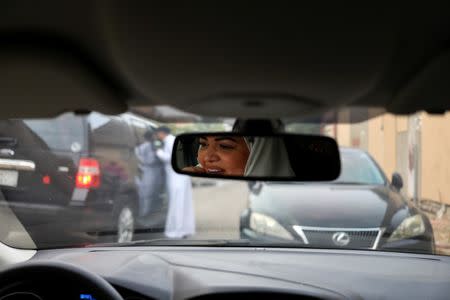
<point>223,155</point>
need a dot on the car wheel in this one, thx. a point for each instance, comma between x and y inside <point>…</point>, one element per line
<point>125,224</point>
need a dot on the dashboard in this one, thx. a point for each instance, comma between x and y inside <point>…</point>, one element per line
<point>142,273</point>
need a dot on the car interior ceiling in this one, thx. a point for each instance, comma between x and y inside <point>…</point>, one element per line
<point>363,61</point>
<point>259,64</point>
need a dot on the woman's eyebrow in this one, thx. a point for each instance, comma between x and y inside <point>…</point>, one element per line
<point>222,138</point>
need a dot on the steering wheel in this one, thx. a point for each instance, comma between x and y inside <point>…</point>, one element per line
<point>46,280</point>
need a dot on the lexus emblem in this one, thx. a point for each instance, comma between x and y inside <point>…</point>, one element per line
<point>341,239</point>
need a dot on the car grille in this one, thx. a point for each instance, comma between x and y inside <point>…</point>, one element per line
<point>363,238</point>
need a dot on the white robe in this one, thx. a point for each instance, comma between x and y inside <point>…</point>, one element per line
<point>180,217</point>
<point>151,183</point>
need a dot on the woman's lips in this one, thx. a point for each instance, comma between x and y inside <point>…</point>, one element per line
<point>214,170</point>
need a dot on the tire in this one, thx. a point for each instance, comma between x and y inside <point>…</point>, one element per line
<point>125,223</point>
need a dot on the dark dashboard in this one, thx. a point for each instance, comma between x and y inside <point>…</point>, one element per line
<point>188,272</point>
<point>219,273</point>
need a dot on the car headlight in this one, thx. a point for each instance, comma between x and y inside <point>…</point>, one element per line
<point>269,226</point>
<point>410,227</point>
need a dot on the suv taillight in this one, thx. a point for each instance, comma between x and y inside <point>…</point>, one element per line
<point>88,175</point>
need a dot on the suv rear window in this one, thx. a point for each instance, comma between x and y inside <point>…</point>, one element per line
<point>110,131</point>
<point>64,132</point>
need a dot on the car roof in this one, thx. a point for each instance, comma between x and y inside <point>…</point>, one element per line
<point>261,61</point>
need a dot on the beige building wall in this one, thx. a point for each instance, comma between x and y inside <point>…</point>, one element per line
<point>375,140</point>
<point>382,142</point>
<point>390,139</point>
<point>387,143</point>
<point>343,130</point>
<point>402,123</point>
<point>377,136</point>
<point>435,158</point>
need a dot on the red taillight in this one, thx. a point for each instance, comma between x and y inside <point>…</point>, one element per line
<point>46,179</point>
<point>88,175</point>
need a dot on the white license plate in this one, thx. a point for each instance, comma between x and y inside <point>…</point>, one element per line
<point>9,178</point>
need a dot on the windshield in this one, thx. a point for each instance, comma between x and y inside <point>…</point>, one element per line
<point>358,168</point>
<point>83,180</point>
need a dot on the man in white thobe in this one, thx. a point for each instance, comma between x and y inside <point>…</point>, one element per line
<point>151,183</point>
<point>180,217</point>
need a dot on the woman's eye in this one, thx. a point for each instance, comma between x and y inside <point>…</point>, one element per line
<point>227,147</point>
<point>202,144</point>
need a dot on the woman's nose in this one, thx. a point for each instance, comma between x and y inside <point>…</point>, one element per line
<point>211,155</point>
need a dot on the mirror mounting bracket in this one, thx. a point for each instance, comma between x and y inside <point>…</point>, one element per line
<point>258,126</point>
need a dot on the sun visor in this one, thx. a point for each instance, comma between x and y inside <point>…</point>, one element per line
<point>39,83</point>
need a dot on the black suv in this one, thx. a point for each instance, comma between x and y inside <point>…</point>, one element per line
<point>74,167</point>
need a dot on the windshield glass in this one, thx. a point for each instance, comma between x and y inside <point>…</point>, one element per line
<point>82,180</point>
<point>358,168</point>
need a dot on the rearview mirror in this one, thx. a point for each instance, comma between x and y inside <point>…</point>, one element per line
<point>258,157</point>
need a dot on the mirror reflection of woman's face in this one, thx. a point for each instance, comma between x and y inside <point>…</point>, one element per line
<point>223,155</point>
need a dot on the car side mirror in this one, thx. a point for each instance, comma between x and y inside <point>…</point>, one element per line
<point>397,181</point>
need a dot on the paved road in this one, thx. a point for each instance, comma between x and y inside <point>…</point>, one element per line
<point>217,209</point>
